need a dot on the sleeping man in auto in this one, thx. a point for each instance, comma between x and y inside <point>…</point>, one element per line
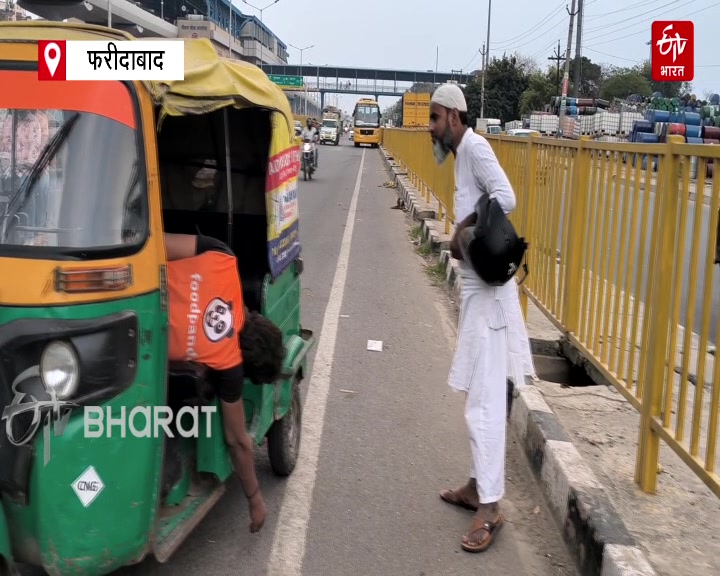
<point>209,325</point>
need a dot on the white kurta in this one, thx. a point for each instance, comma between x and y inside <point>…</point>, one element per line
<point>493,344</point>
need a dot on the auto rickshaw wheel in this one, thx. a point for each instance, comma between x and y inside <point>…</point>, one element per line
<point>284,436</point>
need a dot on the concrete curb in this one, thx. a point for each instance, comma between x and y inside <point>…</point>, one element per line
<point>591,526</point>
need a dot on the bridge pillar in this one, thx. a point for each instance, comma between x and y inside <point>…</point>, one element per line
<point>322,100</point>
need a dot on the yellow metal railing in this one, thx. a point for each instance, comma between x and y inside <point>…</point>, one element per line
<point>622,261</point>
<point>412,149</point>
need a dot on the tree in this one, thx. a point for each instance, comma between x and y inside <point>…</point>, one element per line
<point>624,83</point>
<point>667,89</point>
<point>541,88</point>
<point>590,78</point>
<point>505,82</point>
<point>527,64</point>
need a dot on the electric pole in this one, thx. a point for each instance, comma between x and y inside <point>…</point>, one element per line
<point>558,57</point>
<point>578,49</point>
<point>566,75</point>
<point>483,53</point>
<point>487,62</point>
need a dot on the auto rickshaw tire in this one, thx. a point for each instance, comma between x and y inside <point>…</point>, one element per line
<point>283,438</point>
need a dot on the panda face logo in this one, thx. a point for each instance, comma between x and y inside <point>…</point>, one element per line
<point>218,320</point>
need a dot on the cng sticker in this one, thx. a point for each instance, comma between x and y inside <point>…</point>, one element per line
<point>88,486</point>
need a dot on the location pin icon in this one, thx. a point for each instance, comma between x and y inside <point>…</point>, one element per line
<point>52,57</point>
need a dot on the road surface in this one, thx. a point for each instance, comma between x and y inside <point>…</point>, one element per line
<point>382,431</point>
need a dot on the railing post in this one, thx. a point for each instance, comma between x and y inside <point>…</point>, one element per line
<point>660,309</point>
<point>527,199</point>
<point>576,200</point>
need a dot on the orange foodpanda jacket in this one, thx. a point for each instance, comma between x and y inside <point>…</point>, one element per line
<point>207,311</point>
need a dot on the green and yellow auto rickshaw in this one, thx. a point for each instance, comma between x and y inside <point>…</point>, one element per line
<point>84,301</point>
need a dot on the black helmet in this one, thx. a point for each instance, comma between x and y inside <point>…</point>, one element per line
<point>492,247</point>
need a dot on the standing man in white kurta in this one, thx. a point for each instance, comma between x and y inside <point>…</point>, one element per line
<point>492,345</point>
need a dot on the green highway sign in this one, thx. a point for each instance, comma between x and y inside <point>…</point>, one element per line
<point>287,81</point>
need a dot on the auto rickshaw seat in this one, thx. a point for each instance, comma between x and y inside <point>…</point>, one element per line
<point>189,384</point>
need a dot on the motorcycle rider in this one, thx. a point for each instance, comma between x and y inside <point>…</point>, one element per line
<point>310,133</point>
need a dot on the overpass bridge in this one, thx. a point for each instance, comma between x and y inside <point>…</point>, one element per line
<point>363,81</point>
<point>372,74</point>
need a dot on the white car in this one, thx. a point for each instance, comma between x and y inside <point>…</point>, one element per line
<point>524,132</point>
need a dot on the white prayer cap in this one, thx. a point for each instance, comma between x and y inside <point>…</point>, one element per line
<point>451,96</point>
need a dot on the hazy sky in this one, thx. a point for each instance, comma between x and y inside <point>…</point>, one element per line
<point>405,34</point>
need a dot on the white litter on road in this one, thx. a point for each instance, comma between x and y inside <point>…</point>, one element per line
<point>375,345</point>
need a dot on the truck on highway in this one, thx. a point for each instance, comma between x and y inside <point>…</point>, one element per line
<point>416,110</point>
<point>331,127</point>
<point>488,125</point>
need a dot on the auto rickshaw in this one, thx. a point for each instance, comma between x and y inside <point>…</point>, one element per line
<point>84,297</point>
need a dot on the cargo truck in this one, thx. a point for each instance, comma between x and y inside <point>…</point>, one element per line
<point>488,125</point>
<point>416,110</point>
<point>331,127</point>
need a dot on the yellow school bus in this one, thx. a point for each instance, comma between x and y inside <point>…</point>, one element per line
<point>366,123</point>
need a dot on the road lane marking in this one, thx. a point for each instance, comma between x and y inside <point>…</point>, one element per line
<point>288,550</point>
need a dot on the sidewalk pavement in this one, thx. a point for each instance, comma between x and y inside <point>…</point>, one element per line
<point>582,442</point>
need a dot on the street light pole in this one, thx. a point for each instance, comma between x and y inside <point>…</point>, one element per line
<point>301,50</point>
<point>261,10</point>
<point>109,13</point>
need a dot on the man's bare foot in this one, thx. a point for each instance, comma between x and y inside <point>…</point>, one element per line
<point>464,497</point>
<point>258,512</point>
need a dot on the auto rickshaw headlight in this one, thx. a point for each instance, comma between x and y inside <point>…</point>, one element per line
<point>60,369</point>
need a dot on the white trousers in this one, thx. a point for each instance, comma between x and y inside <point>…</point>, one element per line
<point>492,347</point>
<point>485,414</point>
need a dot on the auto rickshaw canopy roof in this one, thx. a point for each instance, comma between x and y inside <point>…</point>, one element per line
<point>211,82</point>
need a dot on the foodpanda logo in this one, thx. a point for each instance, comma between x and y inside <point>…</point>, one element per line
<point>218,320</point>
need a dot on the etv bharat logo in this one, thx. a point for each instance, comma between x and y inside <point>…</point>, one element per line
<point>27,412</point>
<point>46,410</point>
<point>668,43</point>
<point>673,55</point>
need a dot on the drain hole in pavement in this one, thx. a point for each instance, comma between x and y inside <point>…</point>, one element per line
<point>561,371</point>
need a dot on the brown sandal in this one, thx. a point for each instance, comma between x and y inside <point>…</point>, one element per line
<point>492,528</point>
<point>457,498</point>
